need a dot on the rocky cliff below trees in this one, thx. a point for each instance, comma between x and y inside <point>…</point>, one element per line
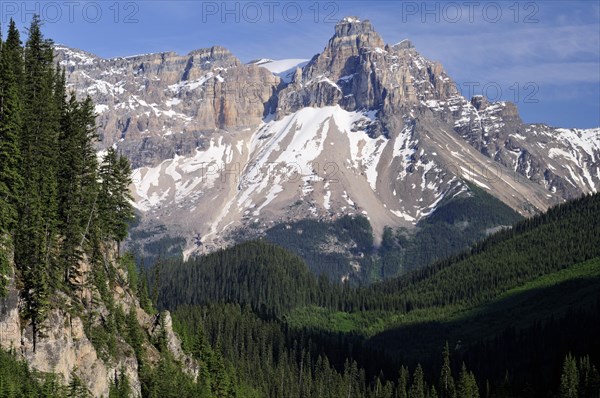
<point>87,335</point>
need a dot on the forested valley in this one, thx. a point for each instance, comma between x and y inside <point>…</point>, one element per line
<point>526,296</point>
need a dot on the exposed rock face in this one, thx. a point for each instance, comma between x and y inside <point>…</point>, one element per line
<point>63,347</point>
<point>157,106</point>
<point>563,161</point>
<point>363,128</point>
<point>358,71</point>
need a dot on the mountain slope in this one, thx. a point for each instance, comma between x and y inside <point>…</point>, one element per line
<point>93,335</point>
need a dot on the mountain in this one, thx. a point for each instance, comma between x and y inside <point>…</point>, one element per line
<point>364,128</point>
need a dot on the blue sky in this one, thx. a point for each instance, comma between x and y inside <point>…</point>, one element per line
<point>544,55</point>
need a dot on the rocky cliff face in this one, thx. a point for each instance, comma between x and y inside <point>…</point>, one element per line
<point>363,128</point>
<point>357,70</point>
<point>63,348</point>
<point>64,345</point>
<point>157,106</point>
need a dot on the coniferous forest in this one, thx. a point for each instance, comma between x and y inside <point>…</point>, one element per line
<point>508,318</point>
<point>515,315</point>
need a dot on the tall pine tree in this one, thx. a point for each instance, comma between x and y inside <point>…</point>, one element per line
<point>447,389</point>
<point>11,182</point>
<point>467,386</point>
<point>77,181</point>
<point>402,388</point>
<point>417,388</point>
<point>114,199</point>
<point>36,239</point>
<point>569,380</point>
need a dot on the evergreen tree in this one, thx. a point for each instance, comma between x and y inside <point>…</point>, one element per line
<point>76,388</point>
<point>114,198</point>
<point>446,384</point>
<point>52,387</point>
<point>432,393</point>
<point>124,208</point>
<point>119,386</point>
<point>36,239</point>
<point>569,380</point>
<point>351,378</point>
<point>14,51</point>
<point>402,389</point>
<point>162,339</point>
<point>11,182</point>
<point>201,351</point>
<point>142,291</point>
<point>77,179</point>
<point>467,386</point>
<point>220,379</point>
<point>157,281</point>
<point>134,334</point>
<point>417,388</point>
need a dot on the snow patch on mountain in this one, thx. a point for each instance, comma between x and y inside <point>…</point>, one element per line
<point>284,68</point>
<point>179,178</point>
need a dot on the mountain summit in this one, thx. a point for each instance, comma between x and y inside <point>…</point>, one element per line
<point>361,32</point>
<point>364,128</point>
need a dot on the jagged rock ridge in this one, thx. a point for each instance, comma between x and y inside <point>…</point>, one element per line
<point>157,106</point>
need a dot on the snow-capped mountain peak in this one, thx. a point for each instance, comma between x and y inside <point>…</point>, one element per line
<point>362,128</point>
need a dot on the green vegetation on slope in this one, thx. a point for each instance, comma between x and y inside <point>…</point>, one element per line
<point>328,248</point>
<point>564,236</point>
<point>457,223</point>
<point>516,291</point>
<point>17,380</point>
<point>62,212</point>
<point>331,248</point>
<point>59,205</point>
<point>268,278</point>
<point>575,286</point>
